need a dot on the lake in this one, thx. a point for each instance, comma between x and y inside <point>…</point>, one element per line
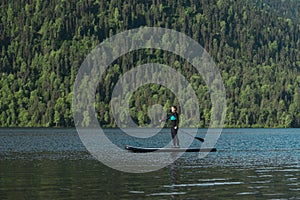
<point>54,164</point>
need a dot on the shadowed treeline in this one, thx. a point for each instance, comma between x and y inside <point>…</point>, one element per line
<point>255,45</point>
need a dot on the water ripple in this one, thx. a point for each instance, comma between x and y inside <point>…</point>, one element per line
<point>204,184</point>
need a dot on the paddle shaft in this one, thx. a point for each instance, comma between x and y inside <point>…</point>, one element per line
<point>198,138</point>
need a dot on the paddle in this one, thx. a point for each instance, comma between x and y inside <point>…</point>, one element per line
<point>198,138</point>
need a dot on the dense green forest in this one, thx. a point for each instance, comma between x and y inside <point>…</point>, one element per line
<point>255,44</point>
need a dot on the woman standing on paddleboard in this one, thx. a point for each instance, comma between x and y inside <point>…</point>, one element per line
<point>174,117</point>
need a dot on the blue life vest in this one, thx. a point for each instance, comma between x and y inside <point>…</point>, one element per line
<point>173,118</point>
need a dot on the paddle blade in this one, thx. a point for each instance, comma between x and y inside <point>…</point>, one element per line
<point>200,139</point>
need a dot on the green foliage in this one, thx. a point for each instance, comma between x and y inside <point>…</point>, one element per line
<point>256,45</point>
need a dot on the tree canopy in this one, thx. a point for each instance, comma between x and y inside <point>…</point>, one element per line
<point>255,44</point>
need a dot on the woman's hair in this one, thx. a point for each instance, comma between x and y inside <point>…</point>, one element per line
<point>175,107</point>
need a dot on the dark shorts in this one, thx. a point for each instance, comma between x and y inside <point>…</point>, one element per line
<point>174,132</point>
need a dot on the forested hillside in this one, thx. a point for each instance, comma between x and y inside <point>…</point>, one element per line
<point>256,47</point>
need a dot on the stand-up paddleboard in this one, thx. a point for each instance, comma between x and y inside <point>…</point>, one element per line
<point>147,150</point>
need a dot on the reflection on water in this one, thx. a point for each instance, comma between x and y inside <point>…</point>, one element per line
<point>53,164</point>
<point>53,179</point>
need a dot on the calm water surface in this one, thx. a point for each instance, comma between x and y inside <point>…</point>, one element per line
<point>53,164</point>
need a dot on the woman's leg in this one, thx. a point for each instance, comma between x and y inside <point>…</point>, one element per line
<point>175,137</point>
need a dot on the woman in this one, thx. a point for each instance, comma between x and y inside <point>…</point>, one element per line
<point>174,117</point>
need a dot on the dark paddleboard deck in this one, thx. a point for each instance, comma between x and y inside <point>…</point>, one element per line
<point>146,150</point>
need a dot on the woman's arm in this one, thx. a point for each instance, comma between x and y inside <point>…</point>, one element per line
<point>166,119</point>
<point>177,121</point>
